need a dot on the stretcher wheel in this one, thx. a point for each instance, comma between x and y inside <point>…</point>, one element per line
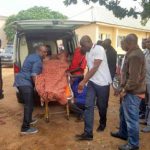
<point>68,117</point>
<point>67,111</point>
<point>47,120</point>
<point>46,112</point>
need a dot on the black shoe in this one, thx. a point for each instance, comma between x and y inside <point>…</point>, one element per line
<point>1,96</point>
<point>128,147</point>
<point>84,136</point>
<point>101,128</point>
<point>117,135</point>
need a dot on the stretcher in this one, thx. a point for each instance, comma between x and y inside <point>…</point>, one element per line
<point>69,95</point>
<point>53,84</point>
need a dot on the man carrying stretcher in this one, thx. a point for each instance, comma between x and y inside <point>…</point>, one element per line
<point>25,81</point>
<point>76,71</point>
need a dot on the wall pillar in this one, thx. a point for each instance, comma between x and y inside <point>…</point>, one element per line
<point>115,37</point>
<point>97,33</point>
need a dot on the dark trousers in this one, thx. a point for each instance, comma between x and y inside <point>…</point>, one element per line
<point>102,94</point>
<point>142,108</point>
<point>129,121</point>
<point>27,93</point>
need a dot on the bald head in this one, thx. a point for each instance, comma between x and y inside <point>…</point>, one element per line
<point>42,51</point>
<point>131,41</point>
<point>86,43</point>
<point>100,42</point>
<point>85,39</point>
<point>107,42</point>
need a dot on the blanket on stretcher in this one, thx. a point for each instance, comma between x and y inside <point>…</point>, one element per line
<point>52,84</point>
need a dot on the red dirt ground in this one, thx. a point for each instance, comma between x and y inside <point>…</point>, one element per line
<point>59,133</point>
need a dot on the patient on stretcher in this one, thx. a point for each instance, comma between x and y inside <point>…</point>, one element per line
<point>52,83</point>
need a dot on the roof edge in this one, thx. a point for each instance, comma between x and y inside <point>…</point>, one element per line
<point>121,26</point>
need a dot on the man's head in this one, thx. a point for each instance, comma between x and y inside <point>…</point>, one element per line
<point>49,50</point>
<point>148,43</point>
<point>86,44</point>
<point>100,42</point>
<point>144,43</point>
<point>131,41</point>
<point>42,51</point>
<point>106,43</point>
<point>123,45</point>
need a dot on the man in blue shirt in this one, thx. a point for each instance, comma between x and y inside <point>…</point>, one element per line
<point>24,81</point>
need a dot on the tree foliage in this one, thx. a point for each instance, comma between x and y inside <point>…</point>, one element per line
<point>30,14</point>
<point>118,11</point>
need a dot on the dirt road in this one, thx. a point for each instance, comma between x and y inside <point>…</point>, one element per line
<point>59,133</point>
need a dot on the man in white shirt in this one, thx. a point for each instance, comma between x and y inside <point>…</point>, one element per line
<point>98,80</point>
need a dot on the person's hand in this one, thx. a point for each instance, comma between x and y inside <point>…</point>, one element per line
<point>116,93</point>
<point>81,86</point>
<point>68,73</point>
<point>122,94</point>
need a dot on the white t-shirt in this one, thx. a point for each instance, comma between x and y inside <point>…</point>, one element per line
<point>102,77</point>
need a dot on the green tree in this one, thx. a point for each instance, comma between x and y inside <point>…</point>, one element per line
<point>118,11</point>
<point>36,13</point>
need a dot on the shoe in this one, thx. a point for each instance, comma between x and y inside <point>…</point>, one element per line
<point>117,135</point>
<point>29,131</point>
<point>1,96</point>
<point>101,128</point>
<point>84,136</point>
<point>34,121</point>
<point>128,147</point>
<point>146,129</point>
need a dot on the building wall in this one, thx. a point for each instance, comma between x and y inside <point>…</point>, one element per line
<point>90,30</point>
<point>101,32</point>
<point>141,35</point>
<point>2,33</point>
<point>108,32</point>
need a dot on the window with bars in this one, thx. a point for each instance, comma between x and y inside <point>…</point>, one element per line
<point>104,36</point>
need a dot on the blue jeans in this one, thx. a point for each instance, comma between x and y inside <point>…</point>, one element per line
<point>102,94</point>
<point>129,119</point>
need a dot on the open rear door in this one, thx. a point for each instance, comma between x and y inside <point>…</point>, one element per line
<point>27,25</point>
<point>44,29</point>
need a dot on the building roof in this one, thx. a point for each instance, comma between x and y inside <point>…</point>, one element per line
<point>3,17</point>
<point>102,15</point>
